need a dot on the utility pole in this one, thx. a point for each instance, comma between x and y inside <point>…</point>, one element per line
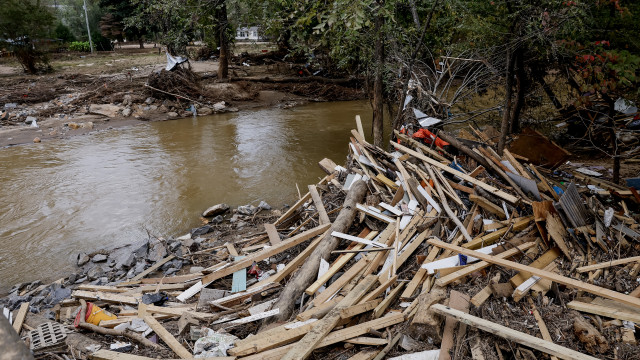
<point>88,30</point>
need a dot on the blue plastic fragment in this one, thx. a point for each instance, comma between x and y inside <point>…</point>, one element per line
<point>462,259</point>
<point>558,190</point>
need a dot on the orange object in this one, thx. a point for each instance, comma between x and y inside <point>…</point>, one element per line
<point>428,137</point>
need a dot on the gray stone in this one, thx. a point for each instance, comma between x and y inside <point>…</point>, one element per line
<point>157,252</point>
<point>234,218</point>
<point>57,295</point>
<point>200,231</point>
<point>217,220</point>
<point>219,106</point>
<point>126,112</point>
<point>171,271</point>
<point>195,269</point>
<point>30,119</point>
<point>216,210</point>
<point>81,280</point>
<point>241,224</point>
<point>204,111</point>
<point>107,110</point>
<point>10,105</point>
<point>99,258</point>
<point>153,107</point>
<point>126,100</point>
<point>247,210</point>
<point>125,260</point>
<point>264,206</point>
<point>149,101</point>
<point>140,266</point>
<point>95,272</point>
<point>83,259</point>
<point>142,250</point>
<point>172,114</point>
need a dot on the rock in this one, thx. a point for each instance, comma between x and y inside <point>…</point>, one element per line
<point>142,250</point>
<point>36,140</point>
<point>247,210</point>
<point>81,280</point>
<point>10,105</point>
<point>73,126</point>
<point>216,210</point>
<point>126,100</point>
<point>171,271</point>
<point>172,114</point>
<point>157,252</point>
<point>204,111</point>
<point>217,220</point>
<point>200,231</point>
<point>30,119</point>
<point>99,258</point>
<point>107,110</point>
<point>83,259</point>
<point>95,272</point>
<point>125,260</point>
<point>219,106</point>
<point>87,125</point>
<point>234,218</point>
<point>126,112</point>
<point>149,101</point>
<point>57,295</point>
<point>264,206</point>
<point>195,269</point>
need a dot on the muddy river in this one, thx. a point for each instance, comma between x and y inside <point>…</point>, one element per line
<point>111,188</point>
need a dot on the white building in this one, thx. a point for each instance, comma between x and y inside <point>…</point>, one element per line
<point>248,33</point>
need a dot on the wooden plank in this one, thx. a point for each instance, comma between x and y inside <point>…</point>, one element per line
<point>335,337</point>
<point>231,249</point>
<point>327,165</point>
<point>458,301</point>
<point>102,288</point>
<point>319,311</point>
<point>371,341</point>
<point>544,182</point>
<point>448,279</point>
<point>303,348</point>
<point>596,290</point>
<point>177,312</point>
<point>22,314</point>
<point>516,164</point>
<point>272,232</point>
<point>507,197</point>
<point>341,281</point>
<point>366,354</point>
<point>168,339</point>
<point>539,263</point>
<point>607,264</point>
<point>374,214</point>
<point>317,202</point>
<point>604,311</point>
<point>264,254</point>
<point>114,355</point>
<point>153,268</point>
<point>420,146</point>
<point>360,308</point>
<point>380,289</point>
<point>108,297</point>
<point>541,325</point>
<point>359,126</point>
<point>488,205</point>
<point>168,280</point>
<point>496,235</point>
<point>512,335</point>
<point>292,209</point>
<point>478,299</point>
<point>380,309</point>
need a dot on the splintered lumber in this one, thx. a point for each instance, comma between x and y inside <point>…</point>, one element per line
<point>168,339</point>
<point>496,235</point>
<point>488,205</point>
<point>108,297</point>
<point>539,263</point>
<point>362,340</point>
<point>381,355</point>
<point>268,340</point>
<point>334,337</point>
<point>557,232</point>
<point>264,254</point>
<point>303,348</point>
<point>317,202</point>
<point>512,335</point>
<point>603,310</point>
<point>153,268</point>
<point>420,146</point>
<point>607,264</point>
<point>366,354</point>
<point>309,269</point>
<point>379,310</point>
<point>360,308</point>
<point>506,196</point>
<point>327,165</point>
<point>342,281</point>
<point>543,327</point>
<point>590,288</point>
<point>458,301</point>
<point>293,209</point>
<point>272,232</point>
<point>380,289</point>
<point>19,320</point>
<point>114,355</point>
<point>448,279</point>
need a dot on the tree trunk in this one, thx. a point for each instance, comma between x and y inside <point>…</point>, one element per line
<point>378,105</point>
<point>615,149</point>
<point>141,42</point>
<point>414,13</point>
<point>521,86</point>
<point>547,89</point>
<point>506,113</point>
<point>309,271</point>
<point>223,62</point>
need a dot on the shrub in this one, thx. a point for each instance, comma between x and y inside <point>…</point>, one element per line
<point>81,46</point>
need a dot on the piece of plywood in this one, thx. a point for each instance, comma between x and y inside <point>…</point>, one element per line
<point>576,284</point>
<point>168,339</point>
<point>512,335</point>
<point>557,232</point>
<point>272,232</point>
<point>22,314</point>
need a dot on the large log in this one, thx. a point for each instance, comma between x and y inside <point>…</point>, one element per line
<point>309,271</point>
<point>12,346</point>
<point>463,148</point>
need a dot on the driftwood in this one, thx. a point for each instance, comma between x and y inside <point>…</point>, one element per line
<point>308,272</point>
<point>113,332</point>
<point>464,149</point>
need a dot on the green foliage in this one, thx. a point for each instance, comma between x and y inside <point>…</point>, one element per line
<point>80,46</point>
<point>22,23</point>
<point>64,33</point>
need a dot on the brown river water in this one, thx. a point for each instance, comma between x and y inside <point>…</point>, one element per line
<point>107,189</point>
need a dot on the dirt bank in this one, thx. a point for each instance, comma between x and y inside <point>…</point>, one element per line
<point>89,93</point>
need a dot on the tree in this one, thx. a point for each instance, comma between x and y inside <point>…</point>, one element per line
<point>22,24</point>
<point>112,24</point>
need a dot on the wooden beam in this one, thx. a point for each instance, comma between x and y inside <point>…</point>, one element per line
<point>506,196</point>
<point>317,202</point>
<point>359,126</point>
<point>22,314</point>
<point>360,308</point>
<point>341,281</point>
<point>380,289</point>
<point>303,348</point>
<point>108,297</point>
<point>512,335</point>
<point>596,290</point>
<point>488,205</point>
<point>607,264</point>
<point>604,311</point>
<point>163,334</point>
<point>541,325</point>
<point>496,235</point>
<point>114,355</point>
<point>264,254</point>
<point>153,268</point>
<point>379,310</point>
<point>448,279</point>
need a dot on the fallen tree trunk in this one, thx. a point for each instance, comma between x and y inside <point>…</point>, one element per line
<point>464,149</point>
<point>297,80</point>
<point>309,271</point>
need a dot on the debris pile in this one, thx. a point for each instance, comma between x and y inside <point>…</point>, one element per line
<point>411,254</point>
